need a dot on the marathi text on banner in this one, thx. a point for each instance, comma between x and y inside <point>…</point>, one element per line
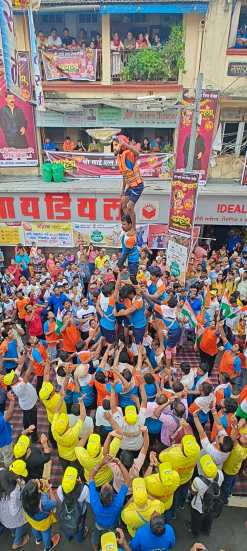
<point>204,134</point>
<point>184,189</point>
<point>11,235</point>
<point>17,131</point>
<point>48,234</point>
<point>74,64</point>
<point>77,165</point>
<point>106,235</point>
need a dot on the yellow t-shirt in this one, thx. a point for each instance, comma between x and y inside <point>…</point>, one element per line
<point>88,463</point>
<point>157,489</point>
<point>135,517</point>
<point>179,462</point>
<point>67,442</point>
<point>51,404</point>
<point>233,463</point>
<point>100,261</point>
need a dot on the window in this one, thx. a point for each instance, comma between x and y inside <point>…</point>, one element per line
<point>238,31</point>
<point>234,138</point>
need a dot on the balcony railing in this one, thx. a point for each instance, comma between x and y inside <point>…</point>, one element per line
<point>126,65</point>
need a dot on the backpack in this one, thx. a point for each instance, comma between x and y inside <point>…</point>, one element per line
<point>212,502</point>
<point>70,515</point>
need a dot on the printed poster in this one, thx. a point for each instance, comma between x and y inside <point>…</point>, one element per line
<point>157,236</point>
<point>11,235</point>
<point>79,165</point>
<point>184,189</point>
<point>204,135</point>
<point>177,257</point>
<point>70,64</point>
<point>17,131</point>
<point>48,234</point>
<point>101,235</point>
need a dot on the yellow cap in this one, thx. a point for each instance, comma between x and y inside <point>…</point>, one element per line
<point>93,445</point>
<point>61,423</point>
<point>19,468</point>
<point>114,446</point>
<point>21,446</point>
<point>131,415</point>
<point>109,542</point>
<point>213,292</point>
<point>167,476</point>
<point>208,466</point>
<point>69,479</point>
<point>190,446</point>
<point>140,495</point>
<point>46,390</point>
<point>8,378</point>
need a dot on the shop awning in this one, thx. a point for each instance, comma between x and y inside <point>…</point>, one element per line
<point>176,8</point>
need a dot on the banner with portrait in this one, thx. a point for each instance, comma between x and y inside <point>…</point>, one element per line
<point>17,130</point>
<point>204,133</point>
<point>183,200</point>
<point>70,64</point>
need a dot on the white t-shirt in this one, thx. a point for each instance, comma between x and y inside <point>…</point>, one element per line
<point>132,439</point>
<point>57,42</point>
<point>218,456</point>
<point>200,488</point>
<point>26,394</point>
<point>83,314</point>
<point>100,420</point>
<point>87,427</point>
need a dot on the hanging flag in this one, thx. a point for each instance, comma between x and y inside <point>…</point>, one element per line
<point>9,52</point>
<point>239,312</point>
<point>59,322</point>
<point>39,95</point>
<point>225,308</point>
<point>189,314</point>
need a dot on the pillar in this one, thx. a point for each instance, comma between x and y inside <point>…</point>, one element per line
<point>106,50</point>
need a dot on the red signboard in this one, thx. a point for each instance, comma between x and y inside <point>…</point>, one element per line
<point>204,136</point>
<point>77,165</point>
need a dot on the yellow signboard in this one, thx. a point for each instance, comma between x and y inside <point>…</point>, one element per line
<point>11,235</point>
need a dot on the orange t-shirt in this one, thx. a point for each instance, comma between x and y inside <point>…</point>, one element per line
<point>20,305</point>
<point>101,392</point>
<point>226,364</point>
<point>53,336</point>
<point>68,145</point>
<point>71,336</point>
<point>39,368</point>
<point>208,342</point>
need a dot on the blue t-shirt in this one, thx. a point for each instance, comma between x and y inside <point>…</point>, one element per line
<point>11,352</point>
<point>236,361</point>
<point>125,397</point>
<point>145,540</point>
<point>5,432</point>
<point>56,302</point>
<point>107,516</point>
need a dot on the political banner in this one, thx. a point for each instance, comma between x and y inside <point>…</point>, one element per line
<point>11,235</point>
<point>38,89</point>
<point>204,134</point>
<point>157,236</point>
<point>17,131</point>
<point>184,189</point>
<point>45,234</point>
<point>244,173</point>
<point>177,256</point>
<point>9,52</point>
<point>73,65</point>
<point>78,165</point>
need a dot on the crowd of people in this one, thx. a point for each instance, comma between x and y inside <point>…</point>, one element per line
<point>95,340</point>
<point>66,41</point>
<point>148,145</point>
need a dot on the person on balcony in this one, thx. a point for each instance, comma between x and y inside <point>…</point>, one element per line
<point>157,42</point>
<point>49,145</point>
<point>67,40</point>
<point>82,38</point>
<point>116,47</point>
<point>143,41</point>
<point>129,42</point>
<point>54,41</point>
<point>42,42</point>
<point>68,144</point>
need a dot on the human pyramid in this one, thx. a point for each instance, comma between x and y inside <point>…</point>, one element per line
<point>139,433</point>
